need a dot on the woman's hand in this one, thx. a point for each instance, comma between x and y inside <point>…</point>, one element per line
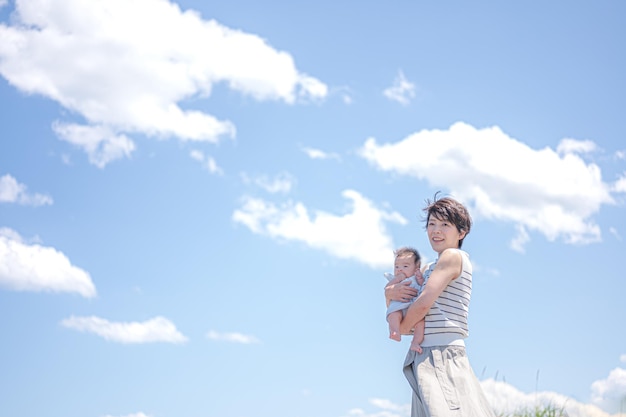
<point>399,291</point>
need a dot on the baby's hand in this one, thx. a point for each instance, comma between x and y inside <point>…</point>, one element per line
<point>419,277</point>
<point>394,279</point>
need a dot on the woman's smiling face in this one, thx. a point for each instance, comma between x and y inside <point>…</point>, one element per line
<point>443,234</point>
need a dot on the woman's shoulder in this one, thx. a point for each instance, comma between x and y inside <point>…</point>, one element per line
<point>455,256</point>
<point>451,253</point>
<point>457,260</point>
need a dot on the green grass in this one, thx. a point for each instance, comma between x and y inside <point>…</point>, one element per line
<point>546,411</point>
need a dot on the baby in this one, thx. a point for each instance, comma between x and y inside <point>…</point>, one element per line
<point>406,267</point>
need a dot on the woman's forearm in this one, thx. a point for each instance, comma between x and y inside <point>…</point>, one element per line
<point>416,312</point>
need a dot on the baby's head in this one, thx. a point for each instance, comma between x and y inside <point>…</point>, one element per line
<point>407,261</point>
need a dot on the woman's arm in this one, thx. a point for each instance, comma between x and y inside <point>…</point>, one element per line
<point>449,266</point>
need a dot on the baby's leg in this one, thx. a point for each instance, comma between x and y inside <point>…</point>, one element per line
<point>394,325</point>
<point>418,337</point>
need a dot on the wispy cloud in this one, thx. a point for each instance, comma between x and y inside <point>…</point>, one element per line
<point>32,267</point>
<point>280,183</point>
<point>319,154</point>
<point>130,415</point>
<point>208,162</point>
<point>101,143</point>
<point>568,145</point>
<point>232,337</point>
<point>382,408</point>
<point>615,233</point>
<point>620,185</point>
<point>158,329</point>
<point>12,191</point>
<point>402,90</point>
<point>518,243</point>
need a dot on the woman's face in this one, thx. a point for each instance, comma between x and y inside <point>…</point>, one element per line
<point>443,234</point>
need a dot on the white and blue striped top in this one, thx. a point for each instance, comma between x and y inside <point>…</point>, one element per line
<point>446,321</point>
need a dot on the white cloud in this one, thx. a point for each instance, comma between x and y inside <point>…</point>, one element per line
<point>232,337</point>
<point>158,329</point>
<point>401,91</point>
<point>519,241</point>
<point>32,267</point>
<point>319,154</point>
<point>100,143</point>
<point>343,92</point>
<point>197,155</point>
<point>281,183</point>
<point>384,408</point>
<point>504,179</point>
<point>113,64</point>
<point>359,235</point>
<point>208,162</point>
<point>12,191</point>
<point>620,185</point>
<point>610,393</point>
<point>130,415</point>
<point>484,270</point>
<point>505,400</point>
<point>615,233</point>
<point>575,146</point>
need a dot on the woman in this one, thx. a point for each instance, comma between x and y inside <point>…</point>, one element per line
<point>443,382</point>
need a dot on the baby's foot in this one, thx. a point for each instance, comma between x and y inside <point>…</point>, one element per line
<point>395,336</point>
<point>416,347</point>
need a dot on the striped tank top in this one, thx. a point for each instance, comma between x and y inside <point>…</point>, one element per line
<point>446,321</point>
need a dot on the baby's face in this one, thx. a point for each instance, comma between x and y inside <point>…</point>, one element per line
<point>406,266</point>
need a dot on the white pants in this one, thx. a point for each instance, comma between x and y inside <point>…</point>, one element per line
<point>444,384</point>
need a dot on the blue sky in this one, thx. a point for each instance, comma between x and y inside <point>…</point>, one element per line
<point>198,201</point>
